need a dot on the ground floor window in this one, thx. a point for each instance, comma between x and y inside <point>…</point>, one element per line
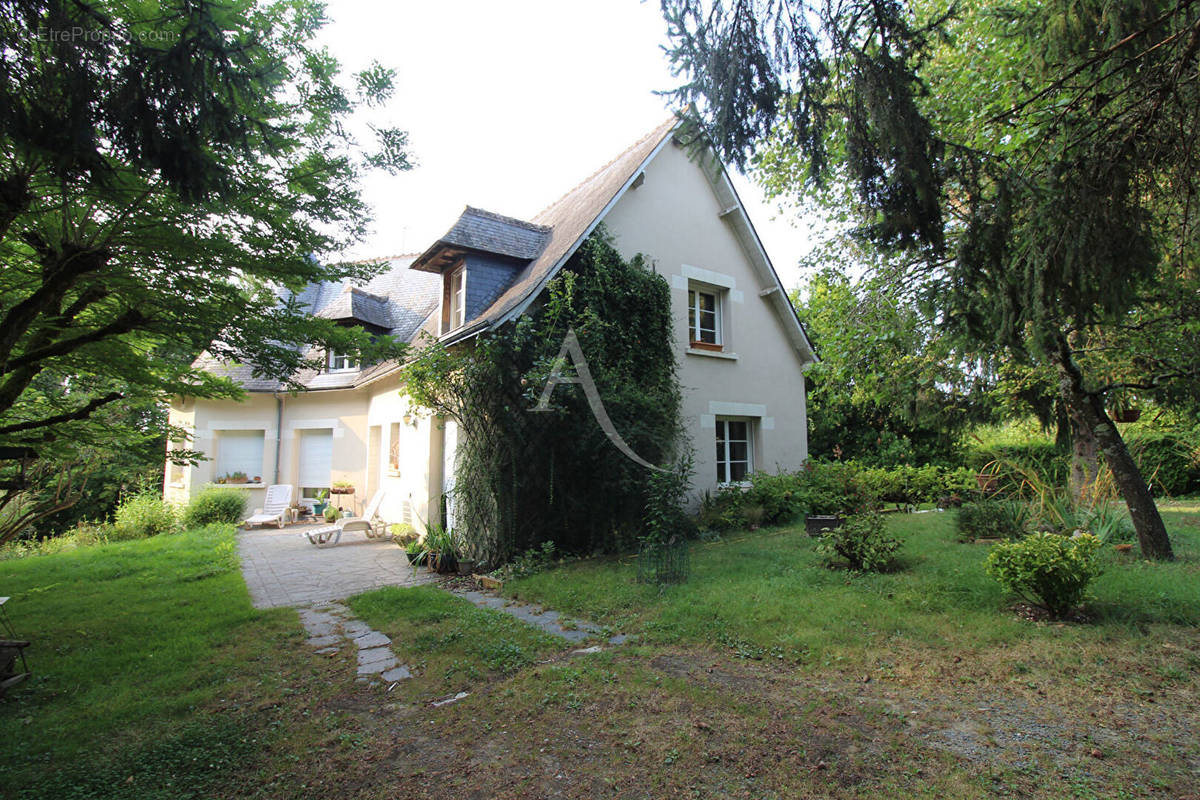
<point>735,450</point>
<point>240,455</point>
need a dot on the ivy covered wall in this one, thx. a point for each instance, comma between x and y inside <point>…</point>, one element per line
<point>526,477</point>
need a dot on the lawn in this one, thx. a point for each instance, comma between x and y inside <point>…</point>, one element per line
<point>152,675</point>
<point>767,675</point>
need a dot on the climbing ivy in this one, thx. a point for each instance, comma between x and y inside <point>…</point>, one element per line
<point>525,477</point>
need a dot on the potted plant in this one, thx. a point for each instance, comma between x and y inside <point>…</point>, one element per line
<point>332,513</point>
<point>440,556</point>
<point>321,502</point>
<point>238,477</point>
<point>415,551</point>
<point>1123,409</point>
<point>342,487</point>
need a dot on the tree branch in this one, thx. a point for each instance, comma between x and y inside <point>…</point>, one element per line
<point>70,416</point>
<point>123,324</point>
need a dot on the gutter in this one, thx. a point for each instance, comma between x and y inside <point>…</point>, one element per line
<point>278,433</point>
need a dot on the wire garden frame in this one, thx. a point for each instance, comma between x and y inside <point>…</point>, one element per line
<point>664,563</point>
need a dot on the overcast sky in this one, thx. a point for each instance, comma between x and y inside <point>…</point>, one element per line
<point>510,104</point>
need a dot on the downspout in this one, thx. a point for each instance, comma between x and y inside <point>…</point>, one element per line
<point>278,433</point>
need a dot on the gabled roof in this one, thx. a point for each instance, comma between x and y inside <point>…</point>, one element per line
<point>576,214</point>
<point>486,232</point>
<point>570,219</point>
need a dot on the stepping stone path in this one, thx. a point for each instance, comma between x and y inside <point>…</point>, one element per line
<point>332,626</point>
<point>549,621</point>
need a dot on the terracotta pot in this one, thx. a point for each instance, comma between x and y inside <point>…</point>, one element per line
<point>987,481</point>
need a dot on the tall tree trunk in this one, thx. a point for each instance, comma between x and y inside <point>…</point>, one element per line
<point>1089,409</point>
<point>1084,459</point>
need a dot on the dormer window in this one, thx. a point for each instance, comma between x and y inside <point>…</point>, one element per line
<point>339,362</point>
<point>455,305</point>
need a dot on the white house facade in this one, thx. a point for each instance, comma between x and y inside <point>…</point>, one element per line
<point>741,350</point>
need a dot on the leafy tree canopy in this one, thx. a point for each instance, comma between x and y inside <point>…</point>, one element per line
<point>1038,158</point>
<point>168,171</point>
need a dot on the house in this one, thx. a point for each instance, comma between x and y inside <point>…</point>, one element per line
<point>741,349</point>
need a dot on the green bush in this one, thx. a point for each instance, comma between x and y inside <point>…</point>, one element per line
<point>1050,462</point>
<point>862,541</point>
<point>1108,522</point>
<point>215,505</point>
<point>1046,569</point>
<point>143,515</point>
<point>1169,463</point>
<point>991,519</point>
<point>404,534</point>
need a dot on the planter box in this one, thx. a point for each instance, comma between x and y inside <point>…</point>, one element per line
<point>814,524</point>
<point>342,490</point>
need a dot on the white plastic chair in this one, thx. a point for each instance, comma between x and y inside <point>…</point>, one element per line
<point>275,506</point>
<point>368,523</point>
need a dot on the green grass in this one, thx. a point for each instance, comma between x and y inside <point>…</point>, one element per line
<point>135,646</point>
<point>770,593</point>
<point>451,644</point>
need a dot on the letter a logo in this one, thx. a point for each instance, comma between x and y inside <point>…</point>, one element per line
<point>583,376</point>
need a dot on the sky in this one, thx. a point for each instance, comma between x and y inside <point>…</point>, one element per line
<point>510,104</point>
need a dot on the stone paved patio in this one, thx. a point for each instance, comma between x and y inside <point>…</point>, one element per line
<point>282,569</point>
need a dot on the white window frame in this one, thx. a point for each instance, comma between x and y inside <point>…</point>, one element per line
<point>340,362</point>
<point>252,438</point>
<point>695,331</point>
<point>725,464</point>
<point>456,311</point>
<point>394,449</point>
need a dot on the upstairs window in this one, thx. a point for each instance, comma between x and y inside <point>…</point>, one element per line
<point>455,300</point>
<point>704,318</point>
<point>339,362</point>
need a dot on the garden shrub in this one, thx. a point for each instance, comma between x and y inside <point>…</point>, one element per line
<point>1169,463</point>
<point>1047,569</point>
<point>143,515</point>
<point>403,533</point>
<point>911,486</point>
<point>215,506</point>
<point>1108,522</point>
<point>1047,460</point>
<point>990,519</point>
<point>862,541</point>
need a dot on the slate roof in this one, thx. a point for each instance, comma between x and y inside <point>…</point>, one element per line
<point>397,301</point>
<point>477,229</point>
<point>402,299</point>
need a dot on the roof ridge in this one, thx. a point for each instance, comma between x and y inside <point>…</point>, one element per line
<point>483,212</point>
<point>378,259</point>
<point>673,120</point>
